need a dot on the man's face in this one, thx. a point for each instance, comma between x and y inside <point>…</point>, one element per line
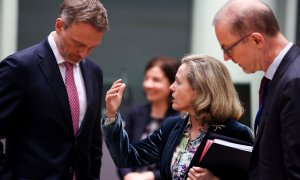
<point>77,41</point>
<point>237,48</point>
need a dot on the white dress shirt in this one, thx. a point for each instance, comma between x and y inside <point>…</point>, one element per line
<point>77,77</point>
<point>273,67</point>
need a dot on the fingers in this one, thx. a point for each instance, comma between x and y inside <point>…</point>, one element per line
<point>121,89</point>
<point>195,173</point>
<point>198,169</point>
<point>117,87</point>
<point>117,81</point>
<point>113,98</point>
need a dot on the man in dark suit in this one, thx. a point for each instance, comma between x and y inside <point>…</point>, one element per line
<point>50,100</point>
<point>249,35</point>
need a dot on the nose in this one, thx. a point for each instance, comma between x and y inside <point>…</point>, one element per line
<point>147,83</point>
<point>226,57</point>
<point>84,52</point>
<point>172,87</point>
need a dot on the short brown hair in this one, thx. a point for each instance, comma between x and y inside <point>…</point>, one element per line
<point>85,11</point>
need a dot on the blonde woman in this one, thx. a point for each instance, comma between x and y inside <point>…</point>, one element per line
<point>203,91</point>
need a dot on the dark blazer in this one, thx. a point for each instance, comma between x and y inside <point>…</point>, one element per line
<point>135,123</point>
<point>36,120</point>
<point>160,146</point>
<point>276,152</point>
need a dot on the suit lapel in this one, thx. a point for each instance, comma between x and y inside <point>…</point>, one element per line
<point>50,70</point>
<point>285,63</point>
<point>175,136</point>
<point>88,88</point>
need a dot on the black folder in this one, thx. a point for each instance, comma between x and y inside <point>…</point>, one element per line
<point>224,162</point>
<point>223,153</point>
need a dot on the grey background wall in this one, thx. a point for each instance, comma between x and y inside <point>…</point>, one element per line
<point>1,5</point>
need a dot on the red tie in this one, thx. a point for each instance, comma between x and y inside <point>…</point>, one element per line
<point>262,88</point>
<point>72,95</point>
<point>262,92</point>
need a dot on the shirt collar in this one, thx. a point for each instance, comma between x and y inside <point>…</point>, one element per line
<point>274,65</point>
<point>189,127</point>
<point>54,48</point>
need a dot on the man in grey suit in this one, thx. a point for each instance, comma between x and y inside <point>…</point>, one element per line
<point>50,100</point>
<point>249,35</point>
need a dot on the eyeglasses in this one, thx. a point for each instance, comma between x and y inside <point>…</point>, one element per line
<point>227,50</point>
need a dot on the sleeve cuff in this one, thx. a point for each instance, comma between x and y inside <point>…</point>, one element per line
<point>109,121</point>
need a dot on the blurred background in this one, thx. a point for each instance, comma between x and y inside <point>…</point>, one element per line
<point>139,30</point>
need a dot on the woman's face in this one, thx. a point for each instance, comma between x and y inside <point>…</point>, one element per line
<point>156,85</point>
<point>182,92</point>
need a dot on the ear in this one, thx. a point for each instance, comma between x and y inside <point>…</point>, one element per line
<point>59,25</point>
<point>258,38</point>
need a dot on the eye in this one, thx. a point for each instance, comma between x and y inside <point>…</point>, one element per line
<point>156,79</point>
<point>78,44</point>
<point>177,82</point>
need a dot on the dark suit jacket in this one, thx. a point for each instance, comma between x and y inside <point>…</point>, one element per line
<point>160,146</point>
<point>276,152</point>
<point>36,120</point>
<point>135,123</point>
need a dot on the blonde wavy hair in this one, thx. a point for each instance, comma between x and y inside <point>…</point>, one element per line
<point>217,98</point>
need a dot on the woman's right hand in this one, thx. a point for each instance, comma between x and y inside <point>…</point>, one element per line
<point>198,173</point>
<point>114,97</point>
<point>148,175</point>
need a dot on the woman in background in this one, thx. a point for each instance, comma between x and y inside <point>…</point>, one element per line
<point>142,120</point>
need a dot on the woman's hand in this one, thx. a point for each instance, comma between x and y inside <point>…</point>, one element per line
<point>148,175</point>
<point>114,97</point>
<point>197,173</point>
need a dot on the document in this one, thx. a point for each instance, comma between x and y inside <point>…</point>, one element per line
<point>222,153</point>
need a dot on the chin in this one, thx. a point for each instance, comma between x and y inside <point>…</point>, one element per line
<point>151,98</point>
<point>247,72</point>
<point>175,107</point>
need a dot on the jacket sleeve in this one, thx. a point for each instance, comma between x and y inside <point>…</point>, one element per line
<point>11,94</point>
<point>96,151</point>
<point>129,127</point>
<point>125,154</point>
<point>96,146</point>
<point>289,127</point>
